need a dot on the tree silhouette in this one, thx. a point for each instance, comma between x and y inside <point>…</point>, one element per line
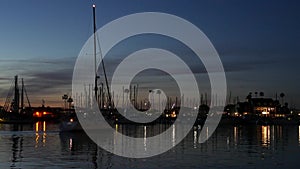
<point>65,98</point>
<point>282,96</point>
<point>261,94</point>
<point>70,101</point>
<point>249,97</point>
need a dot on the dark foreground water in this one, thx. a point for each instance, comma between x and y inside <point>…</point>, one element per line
<point>42,146</point>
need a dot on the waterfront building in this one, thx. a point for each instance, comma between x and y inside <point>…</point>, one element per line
<point>263,107</point>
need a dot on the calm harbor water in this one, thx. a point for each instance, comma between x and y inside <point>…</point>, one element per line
<point>41,145</point>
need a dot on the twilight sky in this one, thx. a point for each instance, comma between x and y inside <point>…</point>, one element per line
<point>258,41</point>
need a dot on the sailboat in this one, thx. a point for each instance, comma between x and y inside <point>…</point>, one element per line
<point>14,110</point>
<point>71,122</point>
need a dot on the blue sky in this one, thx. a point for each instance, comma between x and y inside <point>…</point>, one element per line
<point>258,41</point>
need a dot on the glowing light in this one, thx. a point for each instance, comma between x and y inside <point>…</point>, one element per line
<point>71,120</point>
<point>173,135</point>
<point>37,113</point>
<point>195,139</point>
<point>265,112</point>
<point>36,134</point>
<point>44,113</point>
<point>37,126</point>
<point>70,143</point>
<point>145,138</point>
<point>44,138</point>
<point>299,135</point>
<point>94,6</point>
<point>173,114</point>
<point>207,132</point>
<point>235,135</point>
<point>265,134</point>
<point>36,139</point>
<point>44,126</point>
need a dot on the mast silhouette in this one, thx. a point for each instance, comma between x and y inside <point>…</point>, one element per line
<point>16,97</point>
<point>95,54</point>
<point>102,62</point>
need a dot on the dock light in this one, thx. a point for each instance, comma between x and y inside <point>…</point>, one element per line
<point>173,114</point>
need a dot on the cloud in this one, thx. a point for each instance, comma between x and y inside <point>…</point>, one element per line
<point>45,78</point>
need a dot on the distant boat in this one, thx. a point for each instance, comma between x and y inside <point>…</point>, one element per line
<point>70,123</point>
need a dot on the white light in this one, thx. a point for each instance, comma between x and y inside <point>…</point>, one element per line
<point>94,6</point>
<point>265,112</point>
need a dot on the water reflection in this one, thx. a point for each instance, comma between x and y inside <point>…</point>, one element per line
<point>195,138</point>
<point>299,135</point>
<point>17,150</point>
<point>173,135</point>
<point>235,135</point>
<point>78,147</point>
<point>40,133</point>
<point>145,138</point>
<point>253,146</point>
<point>265,136</point>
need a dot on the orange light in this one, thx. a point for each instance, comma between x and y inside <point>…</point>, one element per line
<point>44,113</point>
<point>37,114</point>
<point>37,126</point>
<point>173,115</point>
<point>44,126</point>
<point>71,120</point>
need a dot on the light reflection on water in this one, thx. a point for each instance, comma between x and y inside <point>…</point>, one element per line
<point>265,136</point>
<point>41,145</point>
<point>299,135</point>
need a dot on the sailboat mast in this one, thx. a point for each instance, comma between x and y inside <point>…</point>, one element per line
<point>102,61</point>
<point>22,96</point>
<point>95,54</point>
<point>17,96</point>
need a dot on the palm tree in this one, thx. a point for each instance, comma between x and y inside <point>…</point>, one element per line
<point>65,98</point>
<point>249,97</point>
<point>282,96</point>
<point>70,100</point>
<point>261,94</point>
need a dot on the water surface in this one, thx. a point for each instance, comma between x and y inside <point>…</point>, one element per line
<point>41,145</point>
